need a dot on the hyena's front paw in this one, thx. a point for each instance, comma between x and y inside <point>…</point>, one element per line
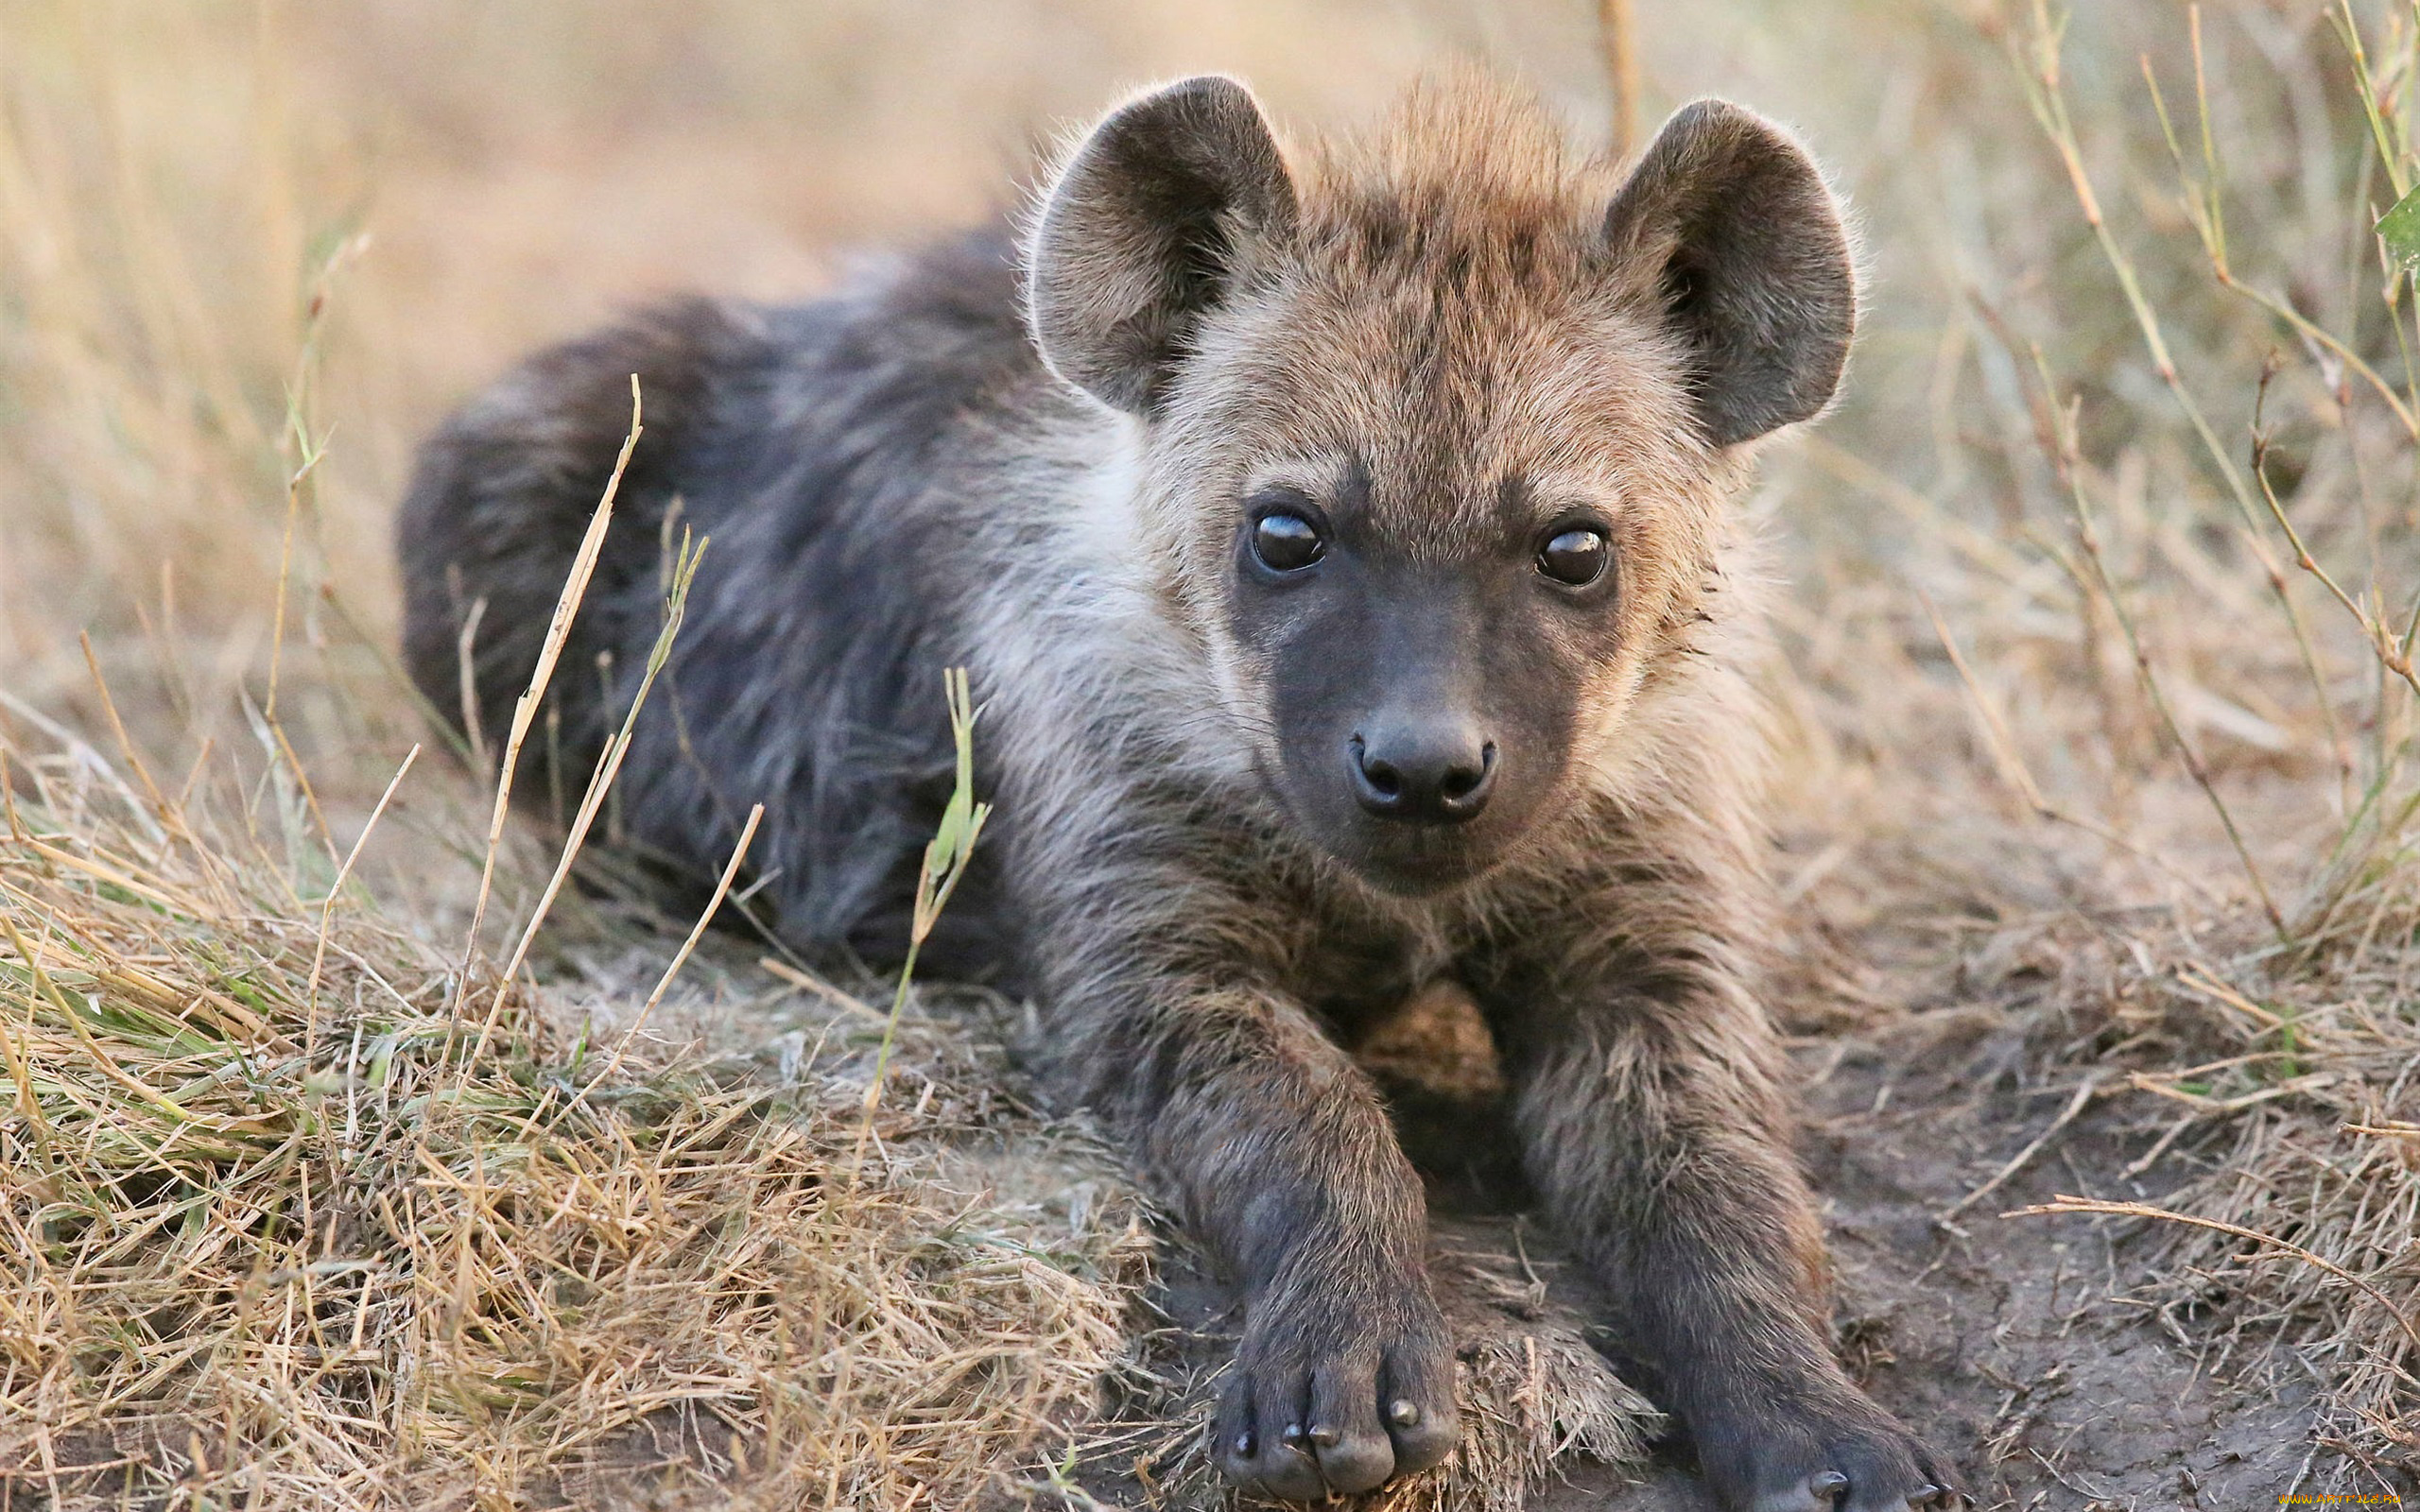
<point>1821,1452</point>
<point>1338,1386</point>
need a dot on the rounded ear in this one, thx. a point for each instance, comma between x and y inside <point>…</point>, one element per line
<point>1147,227</point>
<point>1728,221</point>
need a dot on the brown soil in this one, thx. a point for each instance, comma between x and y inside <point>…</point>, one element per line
<point>2006,1341</point>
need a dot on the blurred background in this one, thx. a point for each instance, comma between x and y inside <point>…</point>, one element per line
<point>208,209</point>
<point>179,176</point>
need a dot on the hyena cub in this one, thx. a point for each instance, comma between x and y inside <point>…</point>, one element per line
<point>1344,542</point>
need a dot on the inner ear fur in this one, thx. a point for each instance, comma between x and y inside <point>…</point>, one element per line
<point>1146,227</point>
<point>1730,226</point>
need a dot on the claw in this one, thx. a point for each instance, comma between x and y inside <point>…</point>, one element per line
<point>1326,1437</point>
<point>1245,1444</point>
<point>1293,1436</point>
<point>1403,1412</point>
<point>1828,1486</point>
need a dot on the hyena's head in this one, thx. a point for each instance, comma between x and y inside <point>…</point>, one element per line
<point>1438,433</point>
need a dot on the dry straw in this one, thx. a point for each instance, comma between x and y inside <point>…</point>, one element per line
<point>279,1235</point>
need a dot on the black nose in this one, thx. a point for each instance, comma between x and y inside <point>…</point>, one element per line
<point>1438,774</point>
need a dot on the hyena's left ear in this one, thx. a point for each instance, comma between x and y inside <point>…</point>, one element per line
<point>1146,227</point>
<point>1730,226</point>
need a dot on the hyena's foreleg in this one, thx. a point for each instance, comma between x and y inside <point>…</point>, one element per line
<point>1275,1149</point>
<point>1650,1113</point>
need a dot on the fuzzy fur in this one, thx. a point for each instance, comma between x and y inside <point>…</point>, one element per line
<point>927,470</point>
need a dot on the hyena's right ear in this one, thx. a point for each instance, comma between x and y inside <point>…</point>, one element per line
<point>1146,227</point>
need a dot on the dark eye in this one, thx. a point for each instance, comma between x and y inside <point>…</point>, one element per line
<point>1285,542</point>
<point>1574,558</point>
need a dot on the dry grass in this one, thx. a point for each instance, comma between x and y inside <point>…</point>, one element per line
<point>283,1240</point>
<point>2063,683</point>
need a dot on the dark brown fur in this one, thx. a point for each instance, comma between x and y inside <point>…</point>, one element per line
<point>1438,347</point>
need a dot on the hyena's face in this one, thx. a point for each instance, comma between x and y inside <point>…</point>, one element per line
<point>1432,564</point>
<point>1437,443</point>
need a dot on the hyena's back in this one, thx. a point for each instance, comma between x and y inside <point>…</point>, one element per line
<point>829,451</point>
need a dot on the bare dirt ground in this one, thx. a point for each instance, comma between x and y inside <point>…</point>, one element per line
<point>2014,1342</point>
<point>2007,1340</point>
